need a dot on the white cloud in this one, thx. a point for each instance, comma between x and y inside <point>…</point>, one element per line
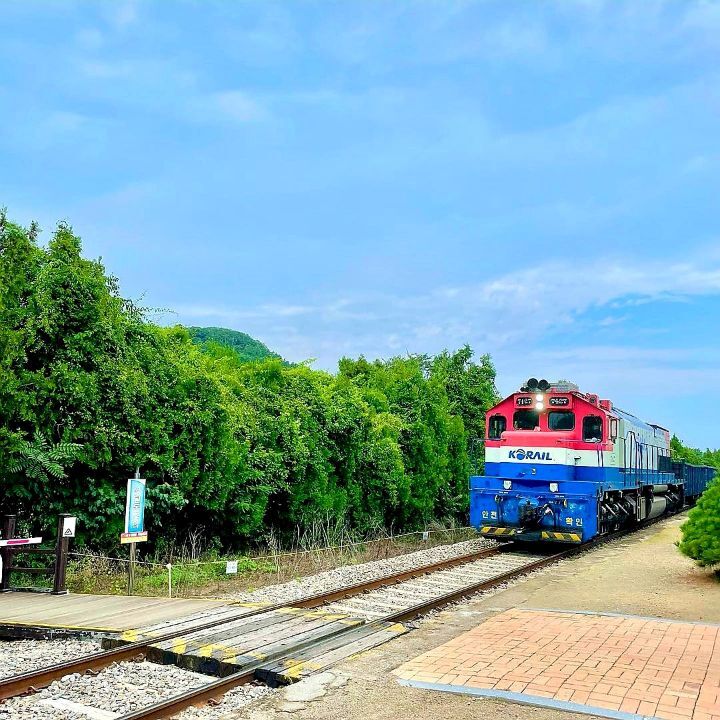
<point>228,106</point>
<point>640,379</point>
<point>503,313</point>
<point>123,14</point>
<point>231,315</point>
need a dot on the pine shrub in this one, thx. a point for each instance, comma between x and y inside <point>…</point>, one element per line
<point>701,532</point>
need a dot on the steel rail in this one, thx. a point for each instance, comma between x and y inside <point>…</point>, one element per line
<point>36,679</point>
<point>171,706</point>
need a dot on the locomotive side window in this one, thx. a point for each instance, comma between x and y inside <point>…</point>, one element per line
<point>592,429</point>
<point>526,419</point>
<point>561,420</point>
<point>496,427</point>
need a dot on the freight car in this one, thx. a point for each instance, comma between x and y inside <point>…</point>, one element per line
<point>566,466</point>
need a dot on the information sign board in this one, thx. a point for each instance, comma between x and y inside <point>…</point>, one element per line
<point>135,506</point>
<point>68,529</point>
<point>126,538</point>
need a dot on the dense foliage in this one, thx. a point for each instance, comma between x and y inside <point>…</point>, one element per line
<point>89,390</point>
<point>701,532</point>
<point>248,348</point>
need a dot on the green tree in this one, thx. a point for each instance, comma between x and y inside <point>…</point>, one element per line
<point>701,532</point>
<point>231,441</point>
<point>247,348</point>
<point>471,392</point>
<point>432,442</point>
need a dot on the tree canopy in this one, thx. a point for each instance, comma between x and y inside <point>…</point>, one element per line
<point>232,440</point>
<point>247,348</point>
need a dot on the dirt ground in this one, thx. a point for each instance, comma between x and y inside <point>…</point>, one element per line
<point>642,574</point>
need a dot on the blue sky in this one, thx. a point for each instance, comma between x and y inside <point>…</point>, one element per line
<point>537,179</point>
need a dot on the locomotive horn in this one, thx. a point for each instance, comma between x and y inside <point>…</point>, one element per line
<point>532,384</point>
<point>543,385</point>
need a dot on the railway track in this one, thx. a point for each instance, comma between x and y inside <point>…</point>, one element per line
<point>37,679</point>
<point>389,600</point>
<point>395,598</point>
<point>476,580</point>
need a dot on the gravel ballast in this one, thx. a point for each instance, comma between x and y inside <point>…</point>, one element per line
<point>352,574</point>
<point>20,656</point>
<point>126,687</point>
<point>120,689</point>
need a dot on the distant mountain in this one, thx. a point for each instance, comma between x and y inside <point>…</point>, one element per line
<point>246,347</point>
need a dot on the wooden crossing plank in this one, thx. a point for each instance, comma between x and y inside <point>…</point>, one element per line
<point>91,613</point>
<point>187,623</point>
<point>321,656</point>
<point>228,648</point>
<point>217,665</point>
<point>168,650</point>
<point>268,672</point>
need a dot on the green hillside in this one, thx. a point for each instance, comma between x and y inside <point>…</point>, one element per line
<point>246,347</point>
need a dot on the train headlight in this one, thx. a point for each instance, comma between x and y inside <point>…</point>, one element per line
<point>554,487</point>
<point>538,406</point>
<point>507,484</point>
<point>539,397</point>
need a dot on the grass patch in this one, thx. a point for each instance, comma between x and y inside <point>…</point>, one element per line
<point>206,577</point>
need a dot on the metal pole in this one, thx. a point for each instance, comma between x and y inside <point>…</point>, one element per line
<point>8,531</point>
<point>61,554</point>
<point>133,554</point>
<point>131,568</point>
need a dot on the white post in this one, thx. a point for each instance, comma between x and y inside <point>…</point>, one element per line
<point>169,569</point>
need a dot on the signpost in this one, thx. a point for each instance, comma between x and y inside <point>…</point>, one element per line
<point>134,522</point>
<point>68,526</point>
<point>135,509</point>
<point>12,546</point>
<point>66,530</point>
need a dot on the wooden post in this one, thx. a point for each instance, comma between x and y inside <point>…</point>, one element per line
<point>8,532</point>
<point>131,568</point>
<point>61,553</point>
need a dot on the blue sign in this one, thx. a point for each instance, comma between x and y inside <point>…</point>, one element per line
<point>135,506</point>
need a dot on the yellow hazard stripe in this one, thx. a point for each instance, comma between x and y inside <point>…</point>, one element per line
<point>566,536</point>
<point>492,530</point>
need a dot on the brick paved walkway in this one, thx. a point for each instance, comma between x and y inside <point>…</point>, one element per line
<point>617,666</point>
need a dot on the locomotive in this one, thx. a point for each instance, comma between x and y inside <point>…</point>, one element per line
<point>566,466</point>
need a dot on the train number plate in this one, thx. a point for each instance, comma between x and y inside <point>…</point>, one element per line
<point>559,401</point>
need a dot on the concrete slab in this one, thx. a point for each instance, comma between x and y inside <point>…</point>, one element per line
<point>612,665</point>
<point>20,612</point>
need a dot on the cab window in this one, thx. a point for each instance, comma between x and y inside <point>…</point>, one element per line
<point>526,419</point>
<point>496,426</point>
<point>561,420</point>
<point>592,429</point>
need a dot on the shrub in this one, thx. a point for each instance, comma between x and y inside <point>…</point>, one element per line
<point>701,532</point>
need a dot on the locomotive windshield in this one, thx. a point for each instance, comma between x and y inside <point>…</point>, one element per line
<point>526,419</point>
<point>592,429</point>
<point>561,420</point>
<point>496,426</point>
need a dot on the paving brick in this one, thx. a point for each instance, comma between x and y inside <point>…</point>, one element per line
<point>669,670</point>
<point>629,705</point>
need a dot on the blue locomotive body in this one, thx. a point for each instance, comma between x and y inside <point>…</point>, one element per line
<point>561,465</point>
